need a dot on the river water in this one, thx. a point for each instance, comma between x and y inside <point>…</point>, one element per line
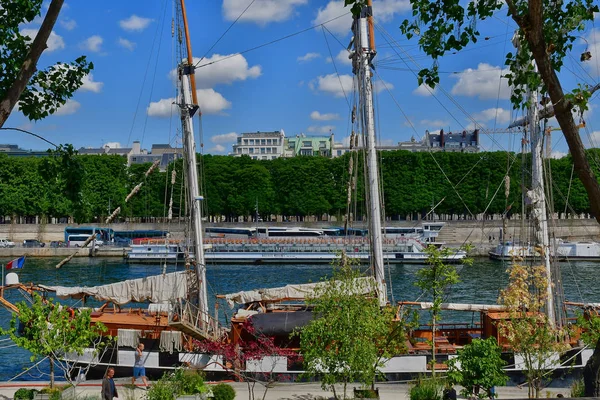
<point>480,283</point>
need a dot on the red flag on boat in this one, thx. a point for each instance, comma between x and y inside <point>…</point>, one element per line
<point>16,263</point>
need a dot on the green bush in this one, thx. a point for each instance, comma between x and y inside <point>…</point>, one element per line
<point>53,392</point>
<point>162,389</point>
<point>426,389</point>
<point>578,388</point>
<point>188,382</point>
<point>24,394</point>
<point>223,391</point>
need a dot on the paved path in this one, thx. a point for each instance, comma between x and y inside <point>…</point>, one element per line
<point>296,391</point>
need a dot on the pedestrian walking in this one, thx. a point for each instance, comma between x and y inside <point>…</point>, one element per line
<point>139,370</point>
<point>109,390</point>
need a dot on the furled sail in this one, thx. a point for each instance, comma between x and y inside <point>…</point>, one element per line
<point>292,292</point>
<point>155,289</point>
<point>457,306</point>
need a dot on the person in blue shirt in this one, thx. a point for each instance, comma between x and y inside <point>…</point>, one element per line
<point>109,390</point>
<point>139,371</point>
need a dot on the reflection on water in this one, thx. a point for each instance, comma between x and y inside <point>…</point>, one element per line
<point>480,283</point>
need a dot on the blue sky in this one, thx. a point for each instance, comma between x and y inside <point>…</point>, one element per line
<point>291,84</point>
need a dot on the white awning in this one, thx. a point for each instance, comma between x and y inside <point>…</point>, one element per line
<point>155,289</point>
<point>459,306</point>
<point>291,292</point>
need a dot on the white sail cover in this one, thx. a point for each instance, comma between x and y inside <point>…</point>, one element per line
<point>291,292</point>
<point>155,289</point>
<point>464,307</point>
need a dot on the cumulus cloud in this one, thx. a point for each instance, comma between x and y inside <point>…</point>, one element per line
<point>379,86</point>
<point>89,85</point>
<point>384,10</point>
<point>135,23</point>
<point>211,102</point>
<point>342,57</point>
<point>224,138</point>
<point>434,123</point>
<point>308,57</point>
<point>93,43</point>
<point>593,46</point>
<point>500,115</point>
<point>557,154</point>
<point>424,90</point>
<point>70,107</point>
<point>127,44</point>
<point>485,82</point>
<point>55,42</point>
<point>262,11</point>
<point>317,116</point>
<point>216,149</point>
<point>227,71</point>
<point>321,129</point>
<point>594,139</point>
<point>68,24</point>
<point>334,85</point>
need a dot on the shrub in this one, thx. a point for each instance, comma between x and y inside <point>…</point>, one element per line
<point>53,392</point>
<point>578,388</point>
<point>223,391</point>
<point>25,394</point>
<point>188,382</point>
<point>426,389</point>
<point>162,389</point>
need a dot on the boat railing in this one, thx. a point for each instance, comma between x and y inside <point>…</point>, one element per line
<point>198,323</point>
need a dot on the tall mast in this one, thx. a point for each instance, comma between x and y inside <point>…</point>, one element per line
<point>188,104</point>
<point>364,52</point>
<point>537,194</point>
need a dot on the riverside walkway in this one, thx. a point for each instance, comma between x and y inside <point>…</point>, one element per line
<point>279,391</point>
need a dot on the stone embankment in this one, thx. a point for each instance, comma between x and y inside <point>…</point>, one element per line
<point>483,235</point>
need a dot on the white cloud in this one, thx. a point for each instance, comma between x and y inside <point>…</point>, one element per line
<point>211,102</point>
<point>384,10</point>
<point>317,116</point>
<point>54,42</point>
<point>334,85</point>
<point>135,23</point>
<point>380,86</point>
<point>232,69</point>
<point>93,43</point>
<point>262,11</point>
<point>89,85</point>
<point>308,57</point>
<point>557,154</point>
<point>500,115</point>
<point>112,145</point>
<point>68,24</point>
<point>224,138</point>
<point>484,82</point>
<point>595,139</point>
<point>129,45</point>
<point>321,129</point>
<point>70,107</point>
<point>424,90</point>
<point>434,123</point>
<point>593,41</point>
<point>342,57</point>
<point>216,149</point>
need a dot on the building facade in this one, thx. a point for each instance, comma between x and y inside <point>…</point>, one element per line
<point>260,145</point>
<point>304,145</point>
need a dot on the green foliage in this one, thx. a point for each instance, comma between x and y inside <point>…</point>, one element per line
<point>162,389</point>
<point>49,88</point>
<point>578,388</point>
<point>478,366</point>
<point>223,391</point>
<point>188,382</point>
<point>425,388</point>
<point>351,333</point>
<point>55,392</point>
<point>24,394</point>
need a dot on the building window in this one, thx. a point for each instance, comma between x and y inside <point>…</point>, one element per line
<point>239,150</point>
<point>245,142</point>
<point>276,142</point>
<point>274,149</point>
<point>251,150</point>
<point>268,150</point>
<point>273,157</point>
<point>306,143</point>
<point>251,142</point>
<point>339,153</point>
<point>262,150</point>
<point>268,141</point>
<point>254,157</point>
<point>264,157</point>
<point>322,144</point>
<point>263,142</point>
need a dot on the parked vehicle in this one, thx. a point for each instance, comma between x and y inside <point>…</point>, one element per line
<point>33,243</point>
<point>58,243</point>
<point>79,240</point>
<point>121,242</point>
<point>6,243</point>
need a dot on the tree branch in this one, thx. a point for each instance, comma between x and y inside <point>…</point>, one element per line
<point>30,63</point>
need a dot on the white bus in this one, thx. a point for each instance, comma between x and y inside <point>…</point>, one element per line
<point>79,240</point>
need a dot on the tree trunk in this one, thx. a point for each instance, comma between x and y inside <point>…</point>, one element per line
<point>51,372</point>
<point>591,373</point>
<point>30,63</point>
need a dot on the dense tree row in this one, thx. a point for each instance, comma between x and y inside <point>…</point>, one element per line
<point>87,187</point>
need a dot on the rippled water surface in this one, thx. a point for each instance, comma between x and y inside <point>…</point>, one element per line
<point>480,283</point>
